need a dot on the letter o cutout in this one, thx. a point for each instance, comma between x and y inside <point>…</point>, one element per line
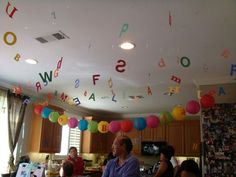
<point>13,40</point>
<point>185,62</point>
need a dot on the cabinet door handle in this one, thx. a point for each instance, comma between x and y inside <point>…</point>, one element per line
<point>195,146</point>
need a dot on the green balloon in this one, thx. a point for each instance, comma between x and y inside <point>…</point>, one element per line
<point>166,117</point>
<point>93,126</point>
<point>53,116</point>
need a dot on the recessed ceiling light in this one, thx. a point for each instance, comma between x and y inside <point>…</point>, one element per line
<point>31,61</point>
<point>124,107</point>
<point>127,45</point>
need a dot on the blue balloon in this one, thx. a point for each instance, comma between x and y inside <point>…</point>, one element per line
<point>140,123</point>
<point>45,112</point>
<point>83,125</point>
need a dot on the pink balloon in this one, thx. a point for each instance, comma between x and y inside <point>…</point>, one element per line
<point>72,122</point>
<point>193,107</point>
<point>114,126</point>
<point>152,121</point>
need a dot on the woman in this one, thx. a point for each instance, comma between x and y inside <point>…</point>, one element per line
<point>77,161</point>
<point>165,168</point>
<point>189,168</point>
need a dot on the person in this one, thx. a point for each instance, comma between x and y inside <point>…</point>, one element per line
<point>77,161</point>
<point>67,168</point>
<point>109,157</point>
<point>165,168</point>
<point>125,164</point>
<point>189,168</point>
<point>22,159</point>
<point>173,159</point>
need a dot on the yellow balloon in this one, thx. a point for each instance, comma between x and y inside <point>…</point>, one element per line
<point>103,126</point>
<point>62,120</point>
<point>178,113</point>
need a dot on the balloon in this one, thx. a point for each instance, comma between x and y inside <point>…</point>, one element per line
<point>62,120</point>
<point>193,107</point>
<point>207,101</point>
<point>53,117</point>
<point>178,113</point>
<point>83,125</point>
<point>45,112</point>
<point>126,125</point>
<point>140,123</point>
<point>166,117</point>
<point>38,109</point>
<point>152,121</point>
<point>103,126</point>
<point>93,126</point>
<point>72,122</point>
<point>114,126</point>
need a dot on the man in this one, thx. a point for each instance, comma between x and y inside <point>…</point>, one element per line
<point>125,164</point>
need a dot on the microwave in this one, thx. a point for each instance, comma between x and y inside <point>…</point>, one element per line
<point>152,148</point>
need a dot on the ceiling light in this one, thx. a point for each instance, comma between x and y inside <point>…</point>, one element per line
<point>31,61</point>
<point>127,45</point>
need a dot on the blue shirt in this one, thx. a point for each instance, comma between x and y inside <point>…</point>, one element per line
<point>130,168</point>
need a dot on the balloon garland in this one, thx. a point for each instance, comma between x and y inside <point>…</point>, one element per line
<point>140,123</point>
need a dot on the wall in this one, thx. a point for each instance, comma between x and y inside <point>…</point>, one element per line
<point>229,89</point>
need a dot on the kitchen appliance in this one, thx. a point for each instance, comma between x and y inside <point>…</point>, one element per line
<point>150,148</point>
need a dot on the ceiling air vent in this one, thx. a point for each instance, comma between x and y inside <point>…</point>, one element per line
<point>52,37</point>
<point>58,36</point>
<point>42,40</point>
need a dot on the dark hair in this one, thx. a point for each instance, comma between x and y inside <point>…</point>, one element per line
<point>167,152</point>
<point>68,168</point>
<point>189,166</point>
<point>109,157</point>
<point>128,143</point>
<point>72,147</point>
<point>171,150</point>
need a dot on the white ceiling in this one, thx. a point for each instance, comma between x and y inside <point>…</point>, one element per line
<point>200,30</point>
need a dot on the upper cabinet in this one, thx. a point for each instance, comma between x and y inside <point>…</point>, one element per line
<point>175,136</point>
<point>45,135</point>
<point>192,137</point>
<point>185,137</point>
<point>153,134</point>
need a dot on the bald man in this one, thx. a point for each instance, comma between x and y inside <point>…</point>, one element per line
<point>125,164</point>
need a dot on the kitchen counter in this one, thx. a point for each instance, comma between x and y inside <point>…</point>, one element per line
<point>93,171</point>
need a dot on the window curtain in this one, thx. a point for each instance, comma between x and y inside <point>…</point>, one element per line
<point>16,111</point>
<point>3,99</point>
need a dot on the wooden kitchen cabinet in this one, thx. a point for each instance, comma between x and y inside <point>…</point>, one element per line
<point>192,137</point>
<point>175,136</point>
<point>96,142</point>
<point>153,134</point>
<point>45,135</point>
<point>185,137</point>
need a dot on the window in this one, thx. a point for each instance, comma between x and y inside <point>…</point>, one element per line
<point>70,137</point>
